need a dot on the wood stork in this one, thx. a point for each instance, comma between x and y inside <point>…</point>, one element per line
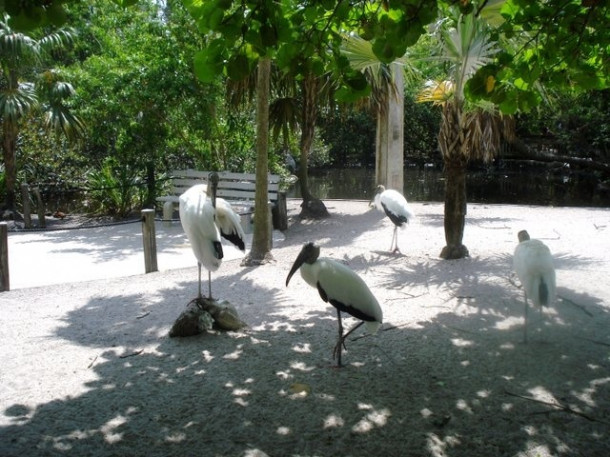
<point>533,264</point>
<point>396,208</point>
<point>342,288</point>
<point>205,220</point>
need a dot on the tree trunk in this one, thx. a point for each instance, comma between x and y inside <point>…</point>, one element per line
<point>453,143</point>
<point>9,145</point>
<point>261,238</point>
<point>389,164</point>
<point>151,188</point>
<point>455,209</point>
<point>311,207</point>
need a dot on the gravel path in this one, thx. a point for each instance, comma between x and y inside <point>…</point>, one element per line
<point>87,368</point>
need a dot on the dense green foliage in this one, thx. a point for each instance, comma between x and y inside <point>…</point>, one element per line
<point>151,81</point>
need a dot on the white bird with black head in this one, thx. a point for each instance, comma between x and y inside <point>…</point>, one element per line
<point>395,206</point>
<point>342,288</point>
<point>205,220</point>
<point>533,264</point>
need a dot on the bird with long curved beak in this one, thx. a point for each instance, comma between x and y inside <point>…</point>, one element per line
<point>342,288</point>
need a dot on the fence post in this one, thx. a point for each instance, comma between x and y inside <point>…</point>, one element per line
<point>150,241</point>
<point>4,276</point>
<point>42,223</point>
<point>27,207</point>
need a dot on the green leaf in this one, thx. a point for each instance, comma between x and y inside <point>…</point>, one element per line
<point>238,67</point>
<point>207,67</point>
<point>125,3</point>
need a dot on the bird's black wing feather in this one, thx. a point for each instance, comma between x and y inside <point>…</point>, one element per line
<point>322,292</point>
<point>343,307</point>
<point>351,310</point>
<point>217,249</point>
<point>235,239</point>
<point>395,218</point>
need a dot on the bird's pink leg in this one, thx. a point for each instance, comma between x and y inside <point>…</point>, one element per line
<point>525,319</point>
<point>199,266</point>
<point>210,285</point>
<point>394,248</point>
<point>340,344</point>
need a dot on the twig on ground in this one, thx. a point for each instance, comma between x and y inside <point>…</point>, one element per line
<point>409,296</point>
<point>592,341</point>
<point>581,307</point>
<point>143,315</point>
<point>131,354</point>
<point>92,362</point>
<point>557,405</point>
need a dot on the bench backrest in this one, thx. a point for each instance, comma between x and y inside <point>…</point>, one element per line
<point>231,186</point>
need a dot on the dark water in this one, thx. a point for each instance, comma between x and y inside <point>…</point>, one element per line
<point>540,186</point>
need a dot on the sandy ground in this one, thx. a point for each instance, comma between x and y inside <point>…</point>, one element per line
<point>87,368</point>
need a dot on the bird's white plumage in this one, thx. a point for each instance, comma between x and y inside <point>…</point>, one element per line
<point>392,201</point>
<point>533,263</point>
<point>342,284</point>
<point>197,218</point>
<point>395,206</point>
<point>205,220</point>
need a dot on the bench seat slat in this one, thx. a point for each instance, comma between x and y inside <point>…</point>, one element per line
<point>236,188</point>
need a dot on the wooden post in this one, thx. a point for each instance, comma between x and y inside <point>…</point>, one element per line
<point>41,220</point>
<point>280,213</point>
<point>4,276</point>
<point>150,240</point>
<point>27,207</point>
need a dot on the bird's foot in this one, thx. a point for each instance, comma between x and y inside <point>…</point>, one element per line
<point>202,302</point>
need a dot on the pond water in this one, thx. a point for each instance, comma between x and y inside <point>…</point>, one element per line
<point>533,186</point>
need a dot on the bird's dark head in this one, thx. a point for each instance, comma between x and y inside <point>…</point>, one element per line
<point>309,254</point>
<point>213,178</point>
<point>378,190</point>
<point>523,236</point>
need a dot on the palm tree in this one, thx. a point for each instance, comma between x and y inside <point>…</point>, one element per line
<point>21,54</point>
<point>261,241</point>
<point>464,134</point>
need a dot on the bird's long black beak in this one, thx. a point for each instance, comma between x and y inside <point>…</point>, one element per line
<point>300,260</point>
<point>309,253</point>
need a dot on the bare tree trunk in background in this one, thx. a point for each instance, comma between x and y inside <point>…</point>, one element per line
<point>9,145</point>
<point>261,240</point>
<point>311,207</point>
<point>389,165</point>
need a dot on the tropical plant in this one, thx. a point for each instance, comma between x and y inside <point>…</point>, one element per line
<point>467,132</point>
<point>21,57</point>
<point>112,188</point>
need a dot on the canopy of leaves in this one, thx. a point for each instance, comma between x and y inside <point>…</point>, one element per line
<point>562,44</point>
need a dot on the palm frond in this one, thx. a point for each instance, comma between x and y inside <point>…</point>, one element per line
<point>436,92</point>
<point>15,103</point>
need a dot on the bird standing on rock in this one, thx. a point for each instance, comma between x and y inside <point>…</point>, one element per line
<point>205,220</point>
<point>533,264</point>
<point>342,288</point>
<point>395,206</point>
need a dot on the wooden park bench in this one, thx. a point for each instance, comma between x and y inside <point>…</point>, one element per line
<point>237,188</point>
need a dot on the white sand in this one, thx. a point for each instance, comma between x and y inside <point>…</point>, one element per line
<point>87,369</point>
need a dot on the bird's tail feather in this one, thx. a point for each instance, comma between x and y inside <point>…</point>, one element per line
<point>543,293</point>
